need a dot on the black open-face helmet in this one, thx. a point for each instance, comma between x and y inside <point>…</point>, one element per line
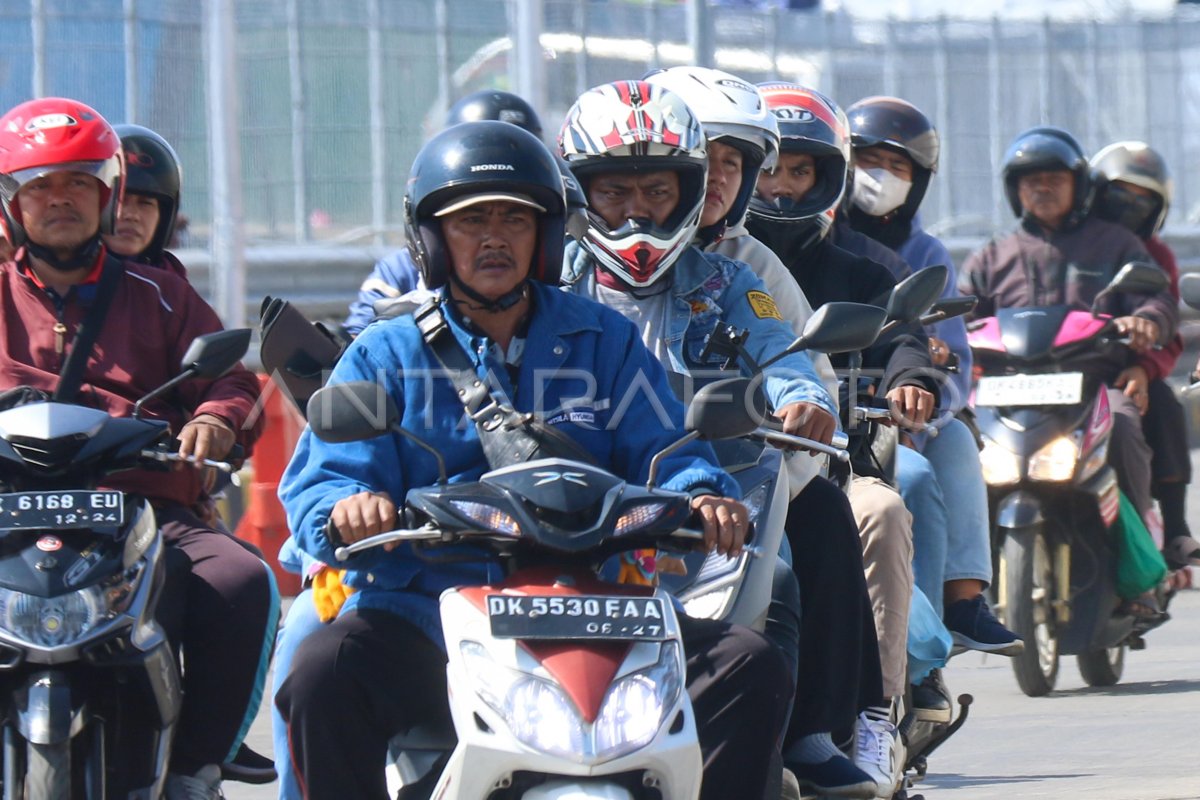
<point>498,105</point>
<point>152,168</point>
<point>900,126</point>
<point>1044,149</point>
<point>489,158</point>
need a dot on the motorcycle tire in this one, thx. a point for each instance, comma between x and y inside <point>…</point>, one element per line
<point>1102,667</point>
<point>48,771</point>
<point>1028,612</point>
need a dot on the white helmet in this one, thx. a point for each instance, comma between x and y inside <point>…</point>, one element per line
<point>734,113</point>
<point>632,126</point>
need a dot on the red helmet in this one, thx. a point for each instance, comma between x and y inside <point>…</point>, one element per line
<point>54,134</point>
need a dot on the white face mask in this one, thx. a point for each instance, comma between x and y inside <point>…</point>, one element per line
<point>878,192</point>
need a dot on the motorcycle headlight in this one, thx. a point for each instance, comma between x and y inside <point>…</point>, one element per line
<point>635,706</point>
<point>489,517</point>
<point>537,712</point>
<point>1055,461</point>
<point>639,517</point>
<point>756,500</point>
<point>1000,466</point>
<point>67,618</point>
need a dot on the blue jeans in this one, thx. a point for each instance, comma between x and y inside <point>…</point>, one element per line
<point>301,620</point>
<point>948,467</point>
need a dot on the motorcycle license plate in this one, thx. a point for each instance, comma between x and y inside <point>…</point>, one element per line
<point>73,509</point>
<point>576,617</point>
<point>1057,389</point>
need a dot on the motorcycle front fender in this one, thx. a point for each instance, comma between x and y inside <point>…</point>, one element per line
<point>1019,509</point>
<point>44,709</point>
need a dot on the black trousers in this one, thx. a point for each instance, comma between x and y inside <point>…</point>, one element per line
<point>1165,429</point>
<point>371,674</point>
<point>839,668</point>
<point>218,605</point>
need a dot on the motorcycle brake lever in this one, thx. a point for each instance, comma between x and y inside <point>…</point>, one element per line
<point>387,537</point>
<point>164,456</point>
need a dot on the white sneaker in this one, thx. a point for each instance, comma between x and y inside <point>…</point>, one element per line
<point>204,785</point>
<point>879,752</point>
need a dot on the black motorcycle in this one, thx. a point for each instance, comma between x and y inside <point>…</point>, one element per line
<point>90,683</point>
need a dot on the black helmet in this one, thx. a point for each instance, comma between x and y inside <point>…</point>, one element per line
<point>497,105</point>
<point>577,202</point>
<point>899,125</point>
<point>1139,164</point>
<point>152,168</point>
<point>1043,149</point>
<point>486,157</point>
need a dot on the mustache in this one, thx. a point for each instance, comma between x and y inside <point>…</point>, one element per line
<point>496,257</point>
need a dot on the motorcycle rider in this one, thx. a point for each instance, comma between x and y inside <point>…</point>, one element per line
<point>743,136</point>
<point>486,219</point>
<point>896,151</point>
<point>646,187</point>
<point>1060,255</point>
<point>1133,189</point>
<point>61,177</point>
<point>396,274</point>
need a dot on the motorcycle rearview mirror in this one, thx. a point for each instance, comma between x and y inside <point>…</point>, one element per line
<point>209,356</point>
<point>360,410</point>
<point>913,296</point>
<point>949,308</point>
<point>1189,289</point>
<point>1136,277</point>
<point>723,409</point>
<point>838,327</point>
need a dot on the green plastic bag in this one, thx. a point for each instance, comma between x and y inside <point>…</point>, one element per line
<point>1140,566</point>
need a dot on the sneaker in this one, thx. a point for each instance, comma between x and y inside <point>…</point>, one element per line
<point>931,699</point>
<point>790,789</point>
<point>248,766</point>
<point>1182,551</point>
<point>879,752</point>
<point>836,777</point>
<point>974,627</point>
<point>204,785</point>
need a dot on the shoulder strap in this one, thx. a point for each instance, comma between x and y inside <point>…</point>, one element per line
<point>507,436</point>
<point>71,376</point>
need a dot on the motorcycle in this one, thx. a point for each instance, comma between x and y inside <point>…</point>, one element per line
<point>1043,413</point>
<point>568,685</point>
<point>91,685</point>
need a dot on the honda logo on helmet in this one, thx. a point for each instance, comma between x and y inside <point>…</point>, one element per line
<point>493,167</point>
<point>49,121</point>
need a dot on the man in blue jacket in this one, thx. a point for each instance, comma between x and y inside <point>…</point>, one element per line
<point>486,220</point>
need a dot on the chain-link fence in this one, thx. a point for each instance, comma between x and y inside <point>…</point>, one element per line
<point>335,96</point>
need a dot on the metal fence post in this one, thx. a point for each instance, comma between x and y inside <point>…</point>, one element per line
<point>131,61</point>
<point>527,47</point>
<point>378,137</point>
<point>228,256</point>
<point>1044,74</point>
<point>891,58</point>
<point>37,33</point>
<point>700,33</point>
<point>582,67</point>
<point>441,21</point>
<point>994,133</point>
<point>942,90</point>
<point>1096,132</point>
<point>296,88</point>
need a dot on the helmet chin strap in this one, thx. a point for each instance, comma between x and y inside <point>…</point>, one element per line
<point>481,303</point>
<point>84,256</point>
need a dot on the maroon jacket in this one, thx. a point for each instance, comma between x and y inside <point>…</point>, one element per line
<point>1069,266</point>
<point>153,318</point>
<point>1160,363</point>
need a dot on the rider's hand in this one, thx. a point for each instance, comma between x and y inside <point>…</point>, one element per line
<point>1136,385</point>
<point>361,515</point>
<point>808,420</point>
<point>206,436</point>
<point>939,352</point>
<point>911,405</point>
<point>1143,332</point>
<point>725,523</point>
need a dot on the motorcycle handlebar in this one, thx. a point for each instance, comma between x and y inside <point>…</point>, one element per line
<point>868,414</point>
<point>778,437</point>
<point>164,456</point>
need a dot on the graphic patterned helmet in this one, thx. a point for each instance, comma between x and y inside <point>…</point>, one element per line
<point>54,134</point>
<point>809,122</point>
<point>635,126</point>
<point>1141,165</point>
<point>732,112</point>
<point>497,105</point>
<point>1042,149</point>
<point>483,158</point>
<point>152,168</point>
<point>898,124</point>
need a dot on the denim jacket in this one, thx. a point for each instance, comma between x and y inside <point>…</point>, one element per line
<point>709,289</point>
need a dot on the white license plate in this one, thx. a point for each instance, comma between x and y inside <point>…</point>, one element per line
<point>1056,389</point>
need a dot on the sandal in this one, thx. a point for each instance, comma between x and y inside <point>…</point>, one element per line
<point>1144,607</point>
